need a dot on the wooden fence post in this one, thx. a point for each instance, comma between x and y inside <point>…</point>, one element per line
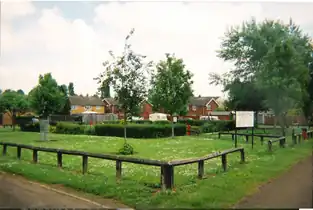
<point>19,152</point>
<point>282,142</point>
<point>262,139</point>
<point>200,169</point>
<point>270,146</point>
<point>168,177</point>
<point>59,154</point>
<point>242,155</point>
<point>4,150</point>
<point>85,163</point>
<point>219,135</point>
<point>224,162</point>
<point>247,138</point>
<point>118,170</point>
<point>35,156</point>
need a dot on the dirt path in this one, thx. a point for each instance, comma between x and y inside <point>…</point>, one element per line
<point>18,192</point>
<point>291,190</point>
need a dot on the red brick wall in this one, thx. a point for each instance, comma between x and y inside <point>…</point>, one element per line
<point>146,110</point>
<point>201,110</point>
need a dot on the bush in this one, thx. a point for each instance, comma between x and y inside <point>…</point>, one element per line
<point>52,129</point>
<point>111,122</point>
<point>30,127</point>
<point>127,149</point>
<point>139,130</point>
<point>162,122</point>
<point>20,120</point>
<point>192,122</point>
<point>69,128</point>
<point>89,130</point>
<point>218,125</point>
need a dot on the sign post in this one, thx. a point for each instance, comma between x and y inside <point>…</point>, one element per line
<point>244,119</point>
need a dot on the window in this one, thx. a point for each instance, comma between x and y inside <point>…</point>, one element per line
<point>87,108</point>
<point>98,107</point>
<point>208,107</point>
<point>73,107</point>
<point>194,108</point>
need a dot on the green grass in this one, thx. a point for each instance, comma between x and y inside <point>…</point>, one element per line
<point>140,184</point>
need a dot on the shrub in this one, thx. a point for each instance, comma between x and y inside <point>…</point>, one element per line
<point>192,122</point>
<point>69,128</point>
<point>111,122</point>
<point>127,149</point>
<point>52,129</point>
<point>218,125</point>
<point>162,122</point>
<point>89,130</point>
<point>139,130</point>
<point>30,127</point>
<point>24,120</point>
<point>142,121</point>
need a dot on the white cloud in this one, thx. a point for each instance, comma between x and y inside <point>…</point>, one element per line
<point>74,50</point>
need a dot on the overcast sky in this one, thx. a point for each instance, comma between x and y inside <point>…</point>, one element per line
<point>72,39</point>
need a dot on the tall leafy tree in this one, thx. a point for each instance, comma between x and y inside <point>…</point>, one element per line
<point>70,88</point>
<point>47,97</point>
<point>67,106</point>
<point>171,86</point>
<point>20,91</point>
<point>104,89</point>
<point>245,96</point>
<point>128,74</point>
<point>272,54</point>
<point>13,103</point>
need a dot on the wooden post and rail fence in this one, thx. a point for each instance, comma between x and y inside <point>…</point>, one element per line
<point>296,138</point>
<point>167,167</point>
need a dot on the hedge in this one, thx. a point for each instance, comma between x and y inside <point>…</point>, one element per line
<point>30,127</point>
<point>133,130</point>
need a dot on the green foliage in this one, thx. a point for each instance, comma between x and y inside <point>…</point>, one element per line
<point>127,149</point>
<point>69,128</point>
<point>47,98</point>
<point>274,57</point>
<point>171,86</point>
<point>244,96</point>
<point>30,127</point>
<point>71,91</point>
<point>210,126</point>
<point>89,130</point>
<point>13,102</point>
<point>128,75</point>
<point>139,130</point>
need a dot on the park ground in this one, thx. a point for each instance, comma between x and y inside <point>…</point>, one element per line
<point>140,184</point>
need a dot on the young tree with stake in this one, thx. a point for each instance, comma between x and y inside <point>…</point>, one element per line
<point>128,75</point>
<point>171,87</point>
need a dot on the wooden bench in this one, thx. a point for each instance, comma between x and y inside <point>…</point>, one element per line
<point>281,140</point>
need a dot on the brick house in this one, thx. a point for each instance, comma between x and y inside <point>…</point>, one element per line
<point>202,106</point>
<point>146,109</point>
<point>80,104</point>
<point>111,106</point>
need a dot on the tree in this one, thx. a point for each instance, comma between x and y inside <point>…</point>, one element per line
<point>20,91</point>
<point>272,54</point>
<point>70,88</point>
<point>47,97</point>
<point>13,103</point>
<point>128,75</point>
<point>245,96</point>
<point>104,90</point>
<point>307,106</point>
<point>171,87</point>
<point>67,106</point>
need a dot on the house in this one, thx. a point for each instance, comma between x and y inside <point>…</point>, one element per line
<point>146,109</point>
<point>202,106</point>
<point>80,104</point>
<point>111,105</point>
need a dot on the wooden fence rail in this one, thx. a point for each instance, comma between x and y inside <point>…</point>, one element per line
<point>262,136</point>
<point>167,167</point>
<point>296,138</point>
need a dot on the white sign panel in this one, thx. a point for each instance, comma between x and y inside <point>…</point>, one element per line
<point>244,119</point>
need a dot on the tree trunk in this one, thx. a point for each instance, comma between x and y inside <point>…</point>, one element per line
<point>173,133</point>
<point>13,120</point>
<point>125,124</point>
<point>282,124</point>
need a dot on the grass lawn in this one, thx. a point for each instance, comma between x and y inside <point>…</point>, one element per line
<point>140,184</point>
